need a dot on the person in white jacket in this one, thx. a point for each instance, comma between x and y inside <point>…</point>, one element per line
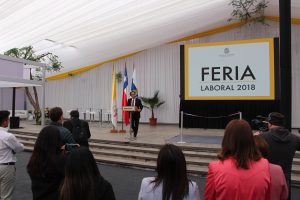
<point>171,182</point>
<point>9,146</point>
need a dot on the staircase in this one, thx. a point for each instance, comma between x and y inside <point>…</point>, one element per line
<point>141,155</point>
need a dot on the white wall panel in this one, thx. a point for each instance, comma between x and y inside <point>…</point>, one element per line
<point>158,69</point>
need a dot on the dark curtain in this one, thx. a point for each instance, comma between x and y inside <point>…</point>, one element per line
<point>210,109</point>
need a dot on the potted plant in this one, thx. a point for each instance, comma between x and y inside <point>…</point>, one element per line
<point>152,103</point>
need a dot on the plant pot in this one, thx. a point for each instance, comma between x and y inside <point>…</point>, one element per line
<point>152,121</point>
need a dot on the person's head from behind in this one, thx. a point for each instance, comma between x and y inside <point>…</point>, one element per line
<point>171,172</point>
<point>238,142</point>
<point>74,114</point>
<point>275,119</point>
<point>4,118</point>
<point>262,145</point>
<point>46,148</point>
<point>56,114</point>
<point>81,172</point>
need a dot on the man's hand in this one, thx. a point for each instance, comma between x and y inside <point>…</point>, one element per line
<point>257,133</point>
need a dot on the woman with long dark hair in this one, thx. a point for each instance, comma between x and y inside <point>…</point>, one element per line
<point>240,172</point>
<point>83,179</point>
<point>46,164</point>
<point>171,182</point>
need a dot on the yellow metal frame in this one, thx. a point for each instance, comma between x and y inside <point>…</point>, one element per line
<point>272,75</point>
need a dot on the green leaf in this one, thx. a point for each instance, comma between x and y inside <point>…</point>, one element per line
<point>28,53</point>
<point>245,10</point>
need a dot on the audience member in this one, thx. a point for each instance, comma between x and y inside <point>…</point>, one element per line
<point>240,172</point>
<point>171,182</point>
<point>279,189</point>
<point>282,145</point>
<point>83,179</point>
<point>9,146</point>
<point>79,128</point>
<point>56,116</point>
<point>46,164</point>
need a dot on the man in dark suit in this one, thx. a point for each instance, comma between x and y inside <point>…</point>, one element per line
<point>81,128</point>
<point>135,116</point>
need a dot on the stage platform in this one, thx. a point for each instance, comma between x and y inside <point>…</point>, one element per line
<point>155,135</point>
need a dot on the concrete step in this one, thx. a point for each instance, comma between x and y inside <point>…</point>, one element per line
<point>145,164</point>
<point>186,147</point>
<point>296,178</point>
<point>296,161</point>
<point>30,140</point>
<point>150,150</point>
<point>122,146</point>
<point>145,156</point>
<point>25,137</point>
<point>130,154</point>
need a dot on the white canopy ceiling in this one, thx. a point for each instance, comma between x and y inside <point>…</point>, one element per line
<point>84,32</point>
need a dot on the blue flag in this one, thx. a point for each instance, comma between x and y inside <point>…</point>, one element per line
<point>133,83</point>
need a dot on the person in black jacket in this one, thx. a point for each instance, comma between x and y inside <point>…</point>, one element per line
<point>46,166</point>
<point>82,178</point>
<point>56,116</point>
<point>135,116</point>
<point>282,145</point>
<point>79,128</point>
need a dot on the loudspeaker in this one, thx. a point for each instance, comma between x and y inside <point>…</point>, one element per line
<point>14,122</point>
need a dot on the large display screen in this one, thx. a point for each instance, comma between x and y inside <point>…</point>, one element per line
<point>231,70</point>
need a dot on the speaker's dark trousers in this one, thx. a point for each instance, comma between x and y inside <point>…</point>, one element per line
<point>134,121</point>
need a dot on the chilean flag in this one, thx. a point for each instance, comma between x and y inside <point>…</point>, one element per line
<point>124,97</point>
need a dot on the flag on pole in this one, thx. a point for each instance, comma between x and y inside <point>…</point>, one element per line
<point>124,97</point>
<point>133,83</point>
<point>114,111</point>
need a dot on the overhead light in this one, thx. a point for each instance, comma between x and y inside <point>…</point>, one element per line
<point>48,45</point>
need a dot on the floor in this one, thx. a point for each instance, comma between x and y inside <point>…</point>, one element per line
<point>120,177</point>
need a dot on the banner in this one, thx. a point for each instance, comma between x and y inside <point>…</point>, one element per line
<point>133,83</point>
<point>233,70</point>
<point>114,110</point>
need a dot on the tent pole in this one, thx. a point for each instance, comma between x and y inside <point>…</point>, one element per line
<point>13,102</point>
<point>43,96</point>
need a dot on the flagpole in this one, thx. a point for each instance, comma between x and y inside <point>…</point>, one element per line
<point>124,99</point>
<point>122,129</point>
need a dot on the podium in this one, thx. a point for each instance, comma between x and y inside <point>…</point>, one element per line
<point>130,109</point>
